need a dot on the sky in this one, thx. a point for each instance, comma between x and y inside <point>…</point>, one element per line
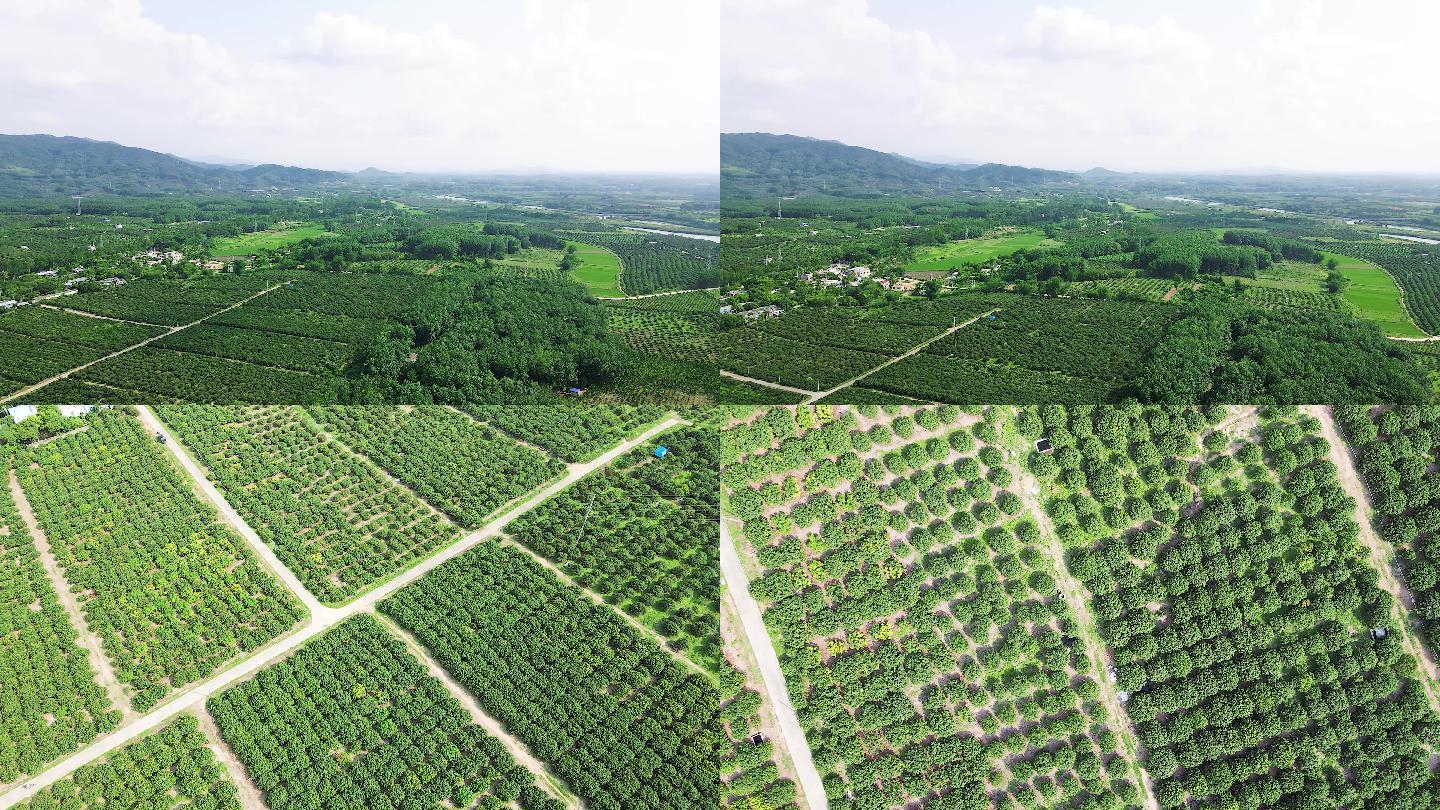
<point>1130,85</point>
<point>419,85</point>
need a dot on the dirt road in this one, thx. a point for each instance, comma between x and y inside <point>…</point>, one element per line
<point>227,513</point>
<point>738,586</point>
<point>1076,599</point>
<point>892,361</point>
<point>94,648</point>
<point>1380,553</point>
<point>194,697</point>
<point>24,392</point>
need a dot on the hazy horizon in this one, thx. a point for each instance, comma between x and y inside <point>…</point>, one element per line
<point>433,86</point>
<point>1242,171</point>
<point>1235,86</point>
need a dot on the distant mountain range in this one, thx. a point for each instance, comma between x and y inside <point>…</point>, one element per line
<point>762,163</point>
<point>47,164</point>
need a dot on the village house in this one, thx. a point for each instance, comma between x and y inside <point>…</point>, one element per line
<point>768,311</point>
<point>113,281</point>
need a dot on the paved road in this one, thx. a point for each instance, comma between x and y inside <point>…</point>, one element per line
<point>62,375</point>
<point>739,587</point>
<point>195,696</point>
<point>892,361</point>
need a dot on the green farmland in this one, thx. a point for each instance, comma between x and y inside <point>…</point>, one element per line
<point>1375,296</point>
<point>598,270</point>
<point>933,258</point>
<point>265,240</point>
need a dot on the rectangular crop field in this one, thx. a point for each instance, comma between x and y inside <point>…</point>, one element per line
<point>164,375</point>
<point>599,269</point>
<point>927,646</point>
<point>1224,568</point>
<point>67,327</point>
<point>172,593</point>
<point>29,359</point>
<point>931,258</point>
<point>260,348</point>
<point>50,703</point>
<point>644,534</point>
<point>573,434</point>
<point>759,355</point>
<point>849,328</point>
<point>621,722</point>
<point>464,468</point>
<point>332,517</point>
<point>353,720</point>
<point>301,323</point>
<point>170,768</point>
<point>247,243</point>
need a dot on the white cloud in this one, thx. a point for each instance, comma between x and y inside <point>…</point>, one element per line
<point>1313,84</point>
<point>443,85</point>
<point>1073,33</point>
<point>345,39</point>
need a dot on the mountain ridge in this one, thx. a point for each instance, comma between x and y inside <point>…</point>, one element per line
<point>40,164</point>
<point>762,162</point>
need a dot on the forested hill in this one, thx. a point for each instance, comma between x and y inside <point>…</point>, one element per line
<point>758,163</point>
<point>47,165</point>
